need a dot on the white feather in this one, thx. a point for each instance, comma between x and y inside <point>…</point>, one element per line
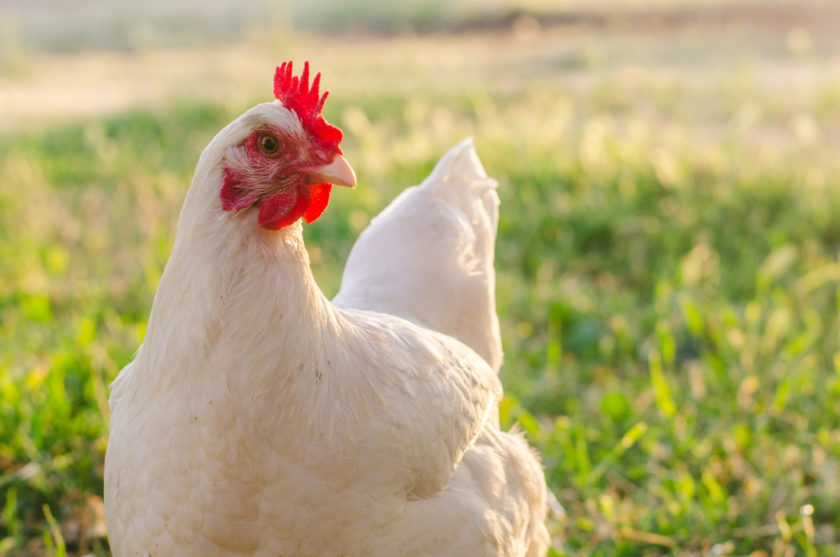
<point>428,256</point>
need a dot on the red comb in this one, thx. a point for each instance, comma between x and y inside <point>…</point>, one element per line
<point>296,94</point>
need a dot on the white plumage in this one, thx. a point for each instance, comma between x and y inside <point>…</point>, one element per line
<point>428,256</point>
<point>259,418</point>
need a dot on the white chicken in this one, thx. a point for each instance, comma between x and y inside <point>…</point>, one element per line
<point>259,418</point>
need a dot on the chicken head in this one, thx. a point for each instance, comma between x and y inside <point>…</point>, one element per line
<point>286,166</point>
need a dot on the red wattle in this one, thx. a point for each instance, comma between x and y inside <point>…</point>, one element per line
<point>320,197</point>
<point>282,209</point>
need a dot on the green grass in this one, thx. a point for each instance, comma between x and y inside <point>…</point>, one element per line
<point>668,283</point>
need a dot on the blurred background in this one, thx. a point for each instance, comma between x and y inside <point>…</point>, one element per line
<point>668,255</point>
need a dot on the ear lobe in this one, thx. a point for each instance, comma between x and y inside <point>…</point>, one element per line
<point>320,198</point>
<point>233,195</point>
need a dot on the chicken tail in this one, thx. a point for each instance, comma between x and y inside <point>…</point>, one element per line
<point>428,257</point>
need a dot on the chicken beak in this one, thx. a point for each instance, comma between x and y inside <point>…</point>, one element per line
<point>338,172</point>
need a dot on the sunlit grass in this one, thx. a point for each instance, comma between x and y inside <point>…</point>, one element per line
<point>668,282</point>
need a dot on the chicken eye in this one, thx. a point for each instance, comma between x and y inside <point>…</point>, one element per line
<point>269,144</point>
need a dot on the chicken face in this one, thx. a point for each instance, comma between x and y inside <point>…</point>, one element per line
<point>286,168</point>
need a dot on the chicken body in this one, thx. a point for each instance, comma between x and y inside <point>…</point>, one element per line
<point>259,418</point>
